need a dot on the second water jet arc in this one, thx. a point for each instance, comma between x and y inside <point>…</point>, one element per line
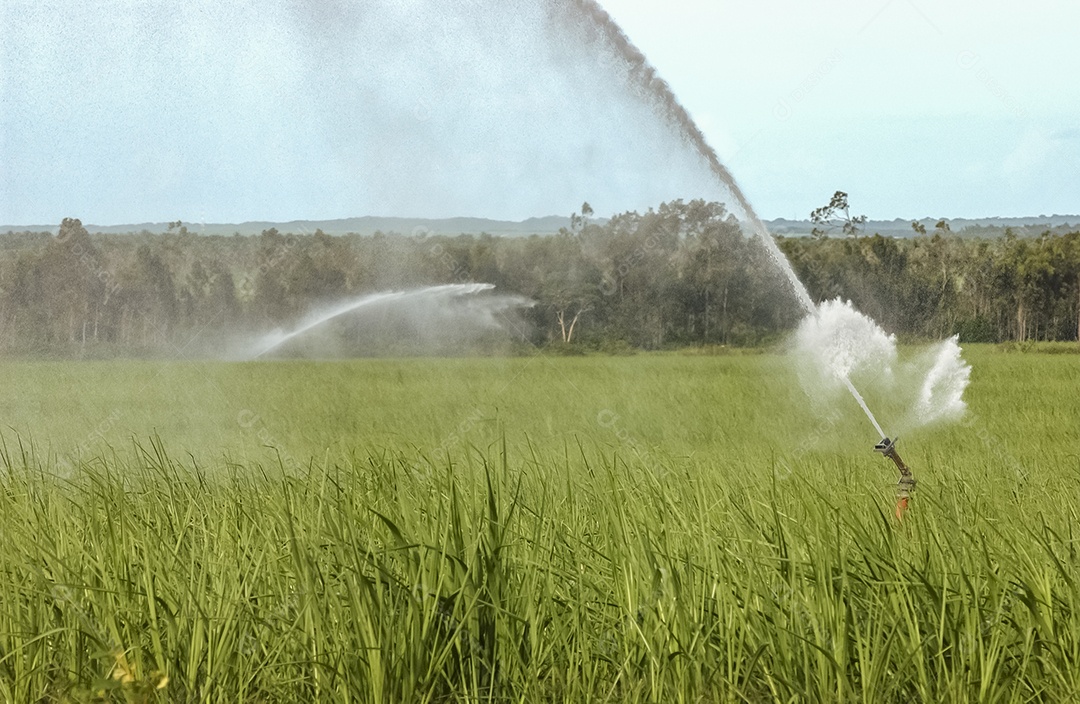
<point>488,310</point>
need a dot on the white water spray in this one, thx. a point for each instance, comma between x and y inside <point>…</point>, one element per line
<point>486,310</point>
<point>941,395</point>
<point>838,343</point>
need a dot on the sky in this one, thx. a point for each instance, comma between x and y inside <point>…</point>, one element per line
<point>133,111</point>
<point>915,108</point>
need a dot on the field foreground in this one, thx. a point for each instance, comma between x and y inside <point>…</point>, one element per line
<point>653,528</point>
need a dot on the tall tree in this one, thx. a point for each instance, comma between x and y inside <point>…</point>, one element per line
<point>837,214</point>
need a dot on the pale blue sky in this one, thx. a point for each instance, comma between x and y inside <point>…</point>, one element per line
<point>270,109</point>
<point>914,107</point>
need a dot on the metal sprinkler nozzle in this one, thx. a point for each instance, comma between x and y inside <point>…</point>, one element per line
<point>906,484</point>
<point>887,447</point>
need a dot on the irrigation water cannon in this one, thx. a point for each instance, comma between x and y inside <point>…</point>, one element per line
<point>887,447</point>
<point>906,484</point>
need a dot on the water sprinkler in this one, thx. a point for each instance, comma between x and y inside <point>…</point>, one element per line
<point>906,484</point>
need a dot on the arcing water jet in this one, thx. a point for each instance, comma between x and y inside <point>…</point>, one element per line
<point>641,73</point>
<point>645,77</point>
<point>489,309</point>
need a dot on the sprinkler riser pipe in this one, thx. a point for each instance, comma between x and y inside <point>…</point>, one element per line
<point>887,448</point>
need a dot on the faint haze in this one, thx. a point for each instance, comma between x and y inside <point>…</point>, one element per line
<point>152,111</point>
<point>282,110</point>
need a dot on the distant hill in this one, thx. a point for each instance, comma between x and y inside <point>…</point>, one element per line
<point>968,226</point>
<point>361,225</point>
<point>552,224</point>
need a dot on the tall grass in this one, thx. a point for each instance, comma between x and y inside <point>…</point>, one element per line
<point>614,564</point>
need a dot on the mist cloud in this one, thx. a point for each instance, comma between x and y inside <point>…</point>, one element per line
<point>281,110</point>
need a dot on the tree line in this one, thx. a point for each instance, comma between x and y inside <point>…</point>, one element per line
<point>682,274</point>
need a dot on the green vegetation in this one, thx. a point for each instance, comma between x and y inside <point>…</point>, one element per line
<point>649,528</point>
<point>681,275</point>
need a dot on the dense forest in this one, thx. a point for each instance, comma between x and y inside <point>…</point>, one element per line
<point>680,275</point>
